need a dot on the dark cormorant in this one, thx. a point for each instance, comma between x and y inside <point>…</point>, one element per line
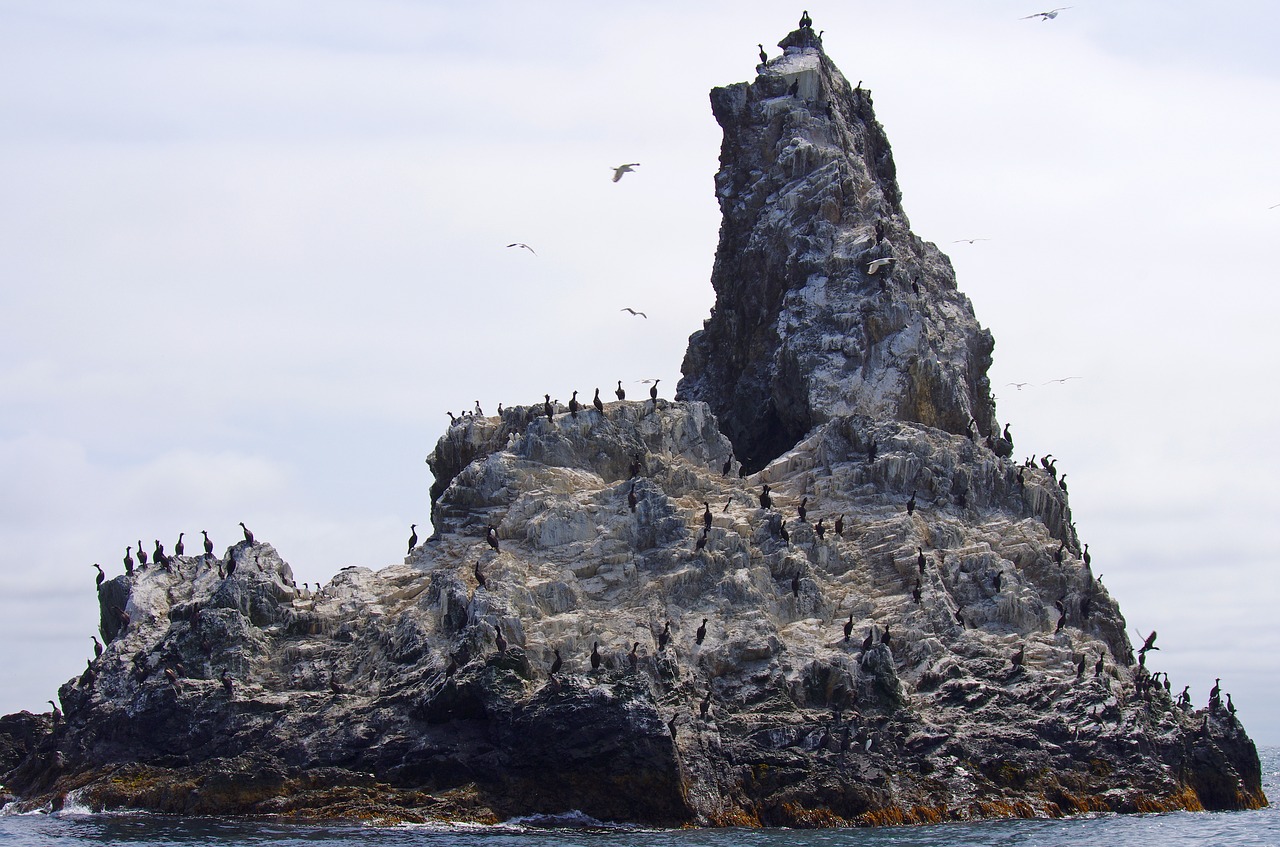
<point>231,561</point>
<point>57,713</point>
<point>705,706</point>
<point>671,726</point>
<point>701,633</point>
<point>1080,665</point>
<point>872,451</point>
<point>595,656</point>
<point>633,658</point>
<point>921,561</point>
<point>1007,437</point>
<point>840,525</point>
<point>128,560</point>
<point>227,684</point>
<point>452,420</point>
<point>1215,693</point>
<point>999,579</point>
<point>664,636</point>
<point>547,406</point>
<point>802,511</point>
<point>1148,644</point>
<point>480,580</point>
<point>158,556</point>
<point>636,467</point>
<point>911,504</point>
<point>142,555</point>
<point>499,640</point>
<point>179,548</point>
<point>1231,707</point>
<point>653,390</point>
<point>631,497</point>
<point>917,592</point>
<point>702,541</point>
<point>848,627</point>
<point>884,637</point>
<point>248,536</point>
<point>795,585</point>
<point>1062,483</point>
<point>1088,560</point>
<point>869,640</point>
<point>208,545</point>
<point>491,535</point>
<point>727,466</point>
<point>1019,656</point>
<point>959,617</point>
<point>706,514</point>
<point>783,534</point>
<point>806,22</point>
<point>413,538</point>
<point>619,392</point>
<point>598,403</point>
<point>820,529</point>
<point>102,577</point>
<point>1100,665</point>
<point>794,90</point>
<point>557,664</point>
<point>765,500</point>
<point>574,405</point>
<point>1022,483</point>
<point>764,57</point>
<point>97,647</point>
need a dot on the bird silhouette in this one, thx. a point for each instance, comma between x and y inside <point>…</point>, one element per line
<point>634,312</point>
<point>1047,16</point>
<point>525,246</point>
<point>624,169</point>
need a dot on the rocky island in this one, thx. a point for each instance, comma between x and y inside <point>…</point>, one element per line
<point>817,589</point>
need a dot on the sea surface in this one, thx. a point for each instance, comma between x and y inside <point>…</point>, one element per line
<point>1219,829</point>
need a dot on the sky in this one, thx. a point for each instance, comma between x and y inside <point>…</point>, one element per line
<point>250,254</point>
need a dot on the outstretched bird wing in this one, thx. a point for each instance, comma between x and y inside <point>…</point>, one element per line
<point>634,312</point>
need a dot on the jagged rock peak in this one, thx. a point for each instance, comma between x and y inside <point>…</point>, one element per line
<point>826,303</point>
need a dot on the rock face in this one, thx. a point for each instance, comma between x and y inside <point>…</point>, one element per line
<point>925,643</point>
<point>826,303</point>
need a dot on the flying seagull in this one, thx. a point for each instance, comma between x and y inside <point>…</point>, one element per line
<point>634,312</point>
<point>1064,379</point>
<point>969,240</point>
<point>1047,16</point>
<point>1276,206</point>
<point>624,169</point>
<point>877,264</point>
<point>1018,385</point>
<point>525,246</point>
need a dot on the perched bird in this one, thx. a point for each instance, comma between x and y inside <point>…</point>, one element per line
<point>479,413</point>
<point>664,636</point>
<point>208,545</point>
<point>574,405</point>
<point>911,504</point>
<point>595,656</point>
<point>869,640</point>
<point>142,555</point>
<point>840,525</point>
<point>227,684</point>
<point>631,498</point>
<point>706,514</point>
<point>820,529</point>
<point>795,585</point>
<point>633,658</point>
<point>806,22</point>
<point>57,713</point>
<point>413,537</point>
<point>765,500</point>
<point>525,246</point>
<point>783,534</point>
<point>634,312</point>
<point>1088,559</point>
<point>884,637</point>
<point>921,561</point>
<point>701,633</point>
<point>1100,665</point>
<point>598,403</point>
<point>653,390</point>
<point>557,664</point>
<point>480,580</point>
<point>97,647</point>
<point>619,392</point>
<point>1017,657</point>
<point>802,511</point>
<point>491,535</point>
<point>500,641</point>
<point>702,541</point>
<point>917,592</point>
<point>705,706</point>
<point>178,547</point>
<point>248,536</point>
<point>848,627</point>
<point>624,169</point>
<point>547,406</point>
<point>1047,16</point>
<point>101,577</point>
<point>128,560</point>
<point>671,726</point>
<point>724,471</point>
<point>764,57</point>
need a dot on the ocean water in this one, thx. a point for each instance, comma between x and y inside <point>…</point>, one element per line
<point>1219,829</point>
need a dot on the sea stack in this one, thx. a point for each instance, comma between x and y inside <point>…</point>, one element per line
<point>826,372</point>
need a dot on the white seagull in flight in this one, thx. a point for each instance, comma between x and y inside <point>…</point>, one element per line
<point>525,246</point>
<point>1047,16</point>
<point>634,312</point>
<point>624,169</point>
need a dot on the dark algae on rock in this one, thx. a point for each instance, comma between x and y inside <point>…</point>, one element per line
<point>928,643</point>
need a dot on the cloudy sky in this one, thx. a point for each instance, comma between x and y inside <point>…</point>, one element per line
<point>250,253</point>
